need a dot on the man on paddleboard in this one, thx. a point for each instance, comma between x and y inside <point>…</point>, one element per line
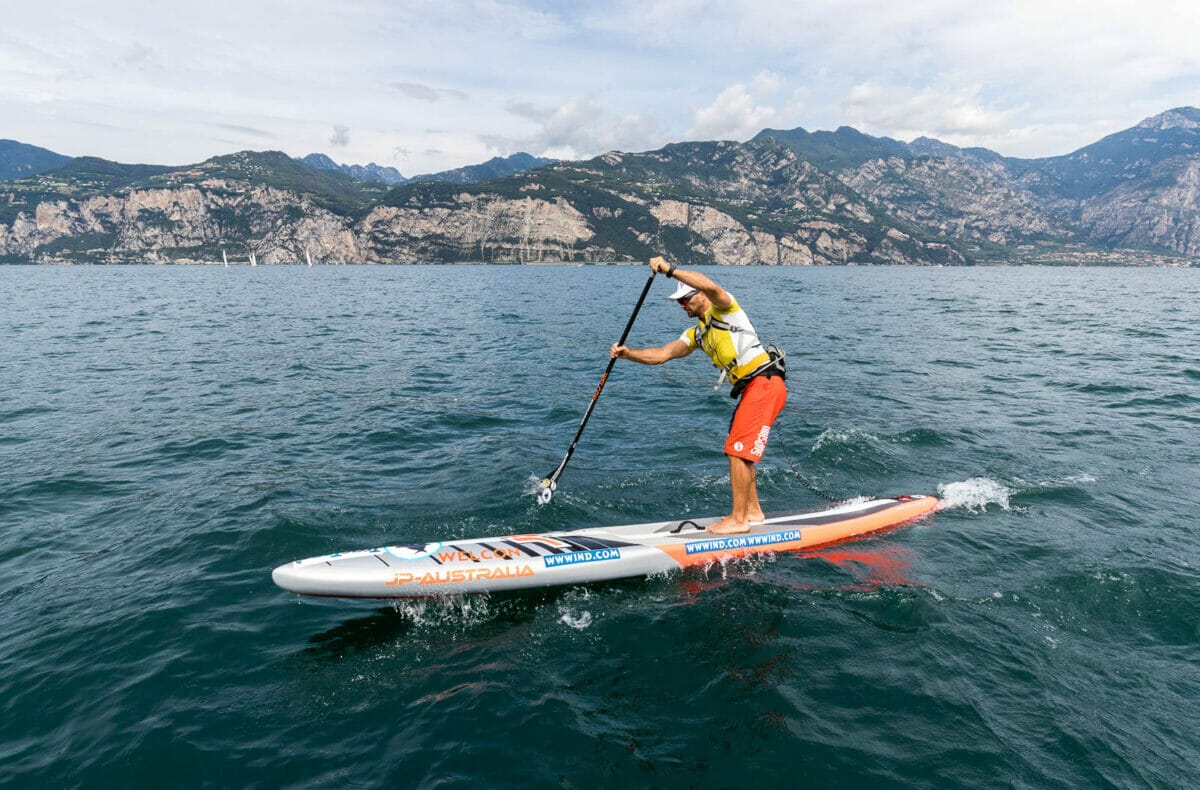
<point>725,334</point>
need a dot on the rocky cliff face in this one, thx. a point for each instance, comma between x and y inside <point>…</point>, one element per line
<point>185,224</point>
<point>1136,215</point>
<point>956,200</point>
<point>480,227</point>
<point>188,225</point>
<point>758,202</point>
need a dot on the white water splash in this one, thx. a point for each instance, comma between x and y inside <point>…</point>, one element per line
<point>974,495</point>
<point>578,622</point>
<point>533,485</point>
<point>457,610</point>
<point>850,436</point>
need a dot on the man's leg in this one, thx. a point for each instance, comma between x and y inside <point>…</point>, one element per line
<point>745,499</point>
<point>748,431</point>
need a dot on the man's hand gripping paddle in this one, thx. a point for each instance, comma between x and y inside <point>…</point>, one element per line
<point>548,485</point>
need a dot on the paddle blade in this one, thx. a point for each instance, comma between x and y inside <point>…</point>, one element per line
<point>546,491</point>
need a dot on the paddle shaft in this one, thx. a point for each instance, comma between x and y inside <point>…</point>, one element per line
<point>552,478</point>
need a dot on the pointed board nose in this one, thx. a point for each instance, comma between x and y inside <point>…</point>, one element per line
<point>290,577</point>
<point>352,575</point>
<point>307,577</point>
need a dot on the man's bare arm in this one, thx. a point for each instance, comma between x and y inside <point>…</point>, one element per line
<point>651,356</point>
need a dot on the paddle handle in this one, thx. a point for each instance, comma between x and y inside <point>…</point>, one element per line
<point>550,482</point>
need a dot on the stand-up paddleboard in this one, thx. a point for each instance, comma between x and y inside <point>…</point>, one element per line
<point>516,562</point>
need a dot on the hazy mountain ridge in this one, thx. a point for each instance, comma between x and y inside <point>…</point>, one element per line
<point>496,167</point>
<point>19,160</point>
<point>786,197</point>
<point>369,172</point>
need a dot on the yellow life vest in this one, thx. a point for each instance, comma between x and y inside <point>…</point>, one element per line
<point>729,339</point>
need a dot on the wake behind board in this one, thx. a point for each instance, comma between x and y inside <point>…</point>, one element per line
<point>516,562</point>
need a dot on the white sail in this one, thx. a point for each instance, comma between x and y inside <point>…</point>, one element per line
<point>308,257</point>
<point>225,259</point>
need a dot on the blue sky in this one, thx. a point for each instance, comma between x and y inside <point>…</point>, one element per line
<point>426,86</point>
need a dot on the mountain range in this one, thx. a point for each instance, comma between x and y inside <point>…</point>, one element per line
<point>371,172</point>
<point>496,167</point>
<point>784,197</point>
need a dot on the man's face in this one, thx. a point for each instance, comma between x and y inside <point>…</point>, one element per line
<point>694,304</point>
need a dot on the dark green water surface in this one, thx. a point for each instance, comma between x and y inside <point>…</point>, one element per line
<point>169,435</point>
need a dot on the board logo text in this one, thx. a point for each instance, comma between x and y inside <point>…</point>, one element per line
<point>576,557</point>
<point>743,541</point>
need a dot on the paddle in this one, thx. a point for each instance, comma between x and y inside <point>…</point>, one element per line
<point>550,482</point>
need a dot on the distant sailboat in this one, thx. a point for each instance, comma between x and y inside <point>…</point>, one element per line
<point>308,257</point>
<point>253,262</point>
<point>225,259</point>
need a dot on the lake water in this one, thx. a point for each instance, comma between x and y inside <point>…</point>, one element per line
<point>168,435</point>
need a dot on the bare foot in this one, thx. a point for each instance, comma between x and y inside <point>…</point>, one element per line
<point>727,526</point>
<point>755,518</point>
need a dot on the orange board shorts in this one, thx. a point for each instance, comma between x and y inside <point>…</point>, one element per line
<point>760,404</point>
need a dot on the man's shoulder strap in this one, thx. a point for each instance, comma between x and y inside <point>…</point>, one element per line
<point>717,323</point>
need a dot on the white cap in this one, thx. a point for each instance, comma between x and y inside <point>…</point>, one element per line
<point>682,291</point>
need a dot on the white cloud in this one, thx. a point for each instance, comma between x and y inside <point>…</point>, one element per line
<point>427,93</point>
<point>946,115</point>
<point>137,55</point>
<point>243,130</point>
<point>766,83</point>
<point>732,115</point>
<point>580,128</point>
<point>1044,63</point>
<point>340,137</point>
<point>441,80</point>
<point>736,113</point>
